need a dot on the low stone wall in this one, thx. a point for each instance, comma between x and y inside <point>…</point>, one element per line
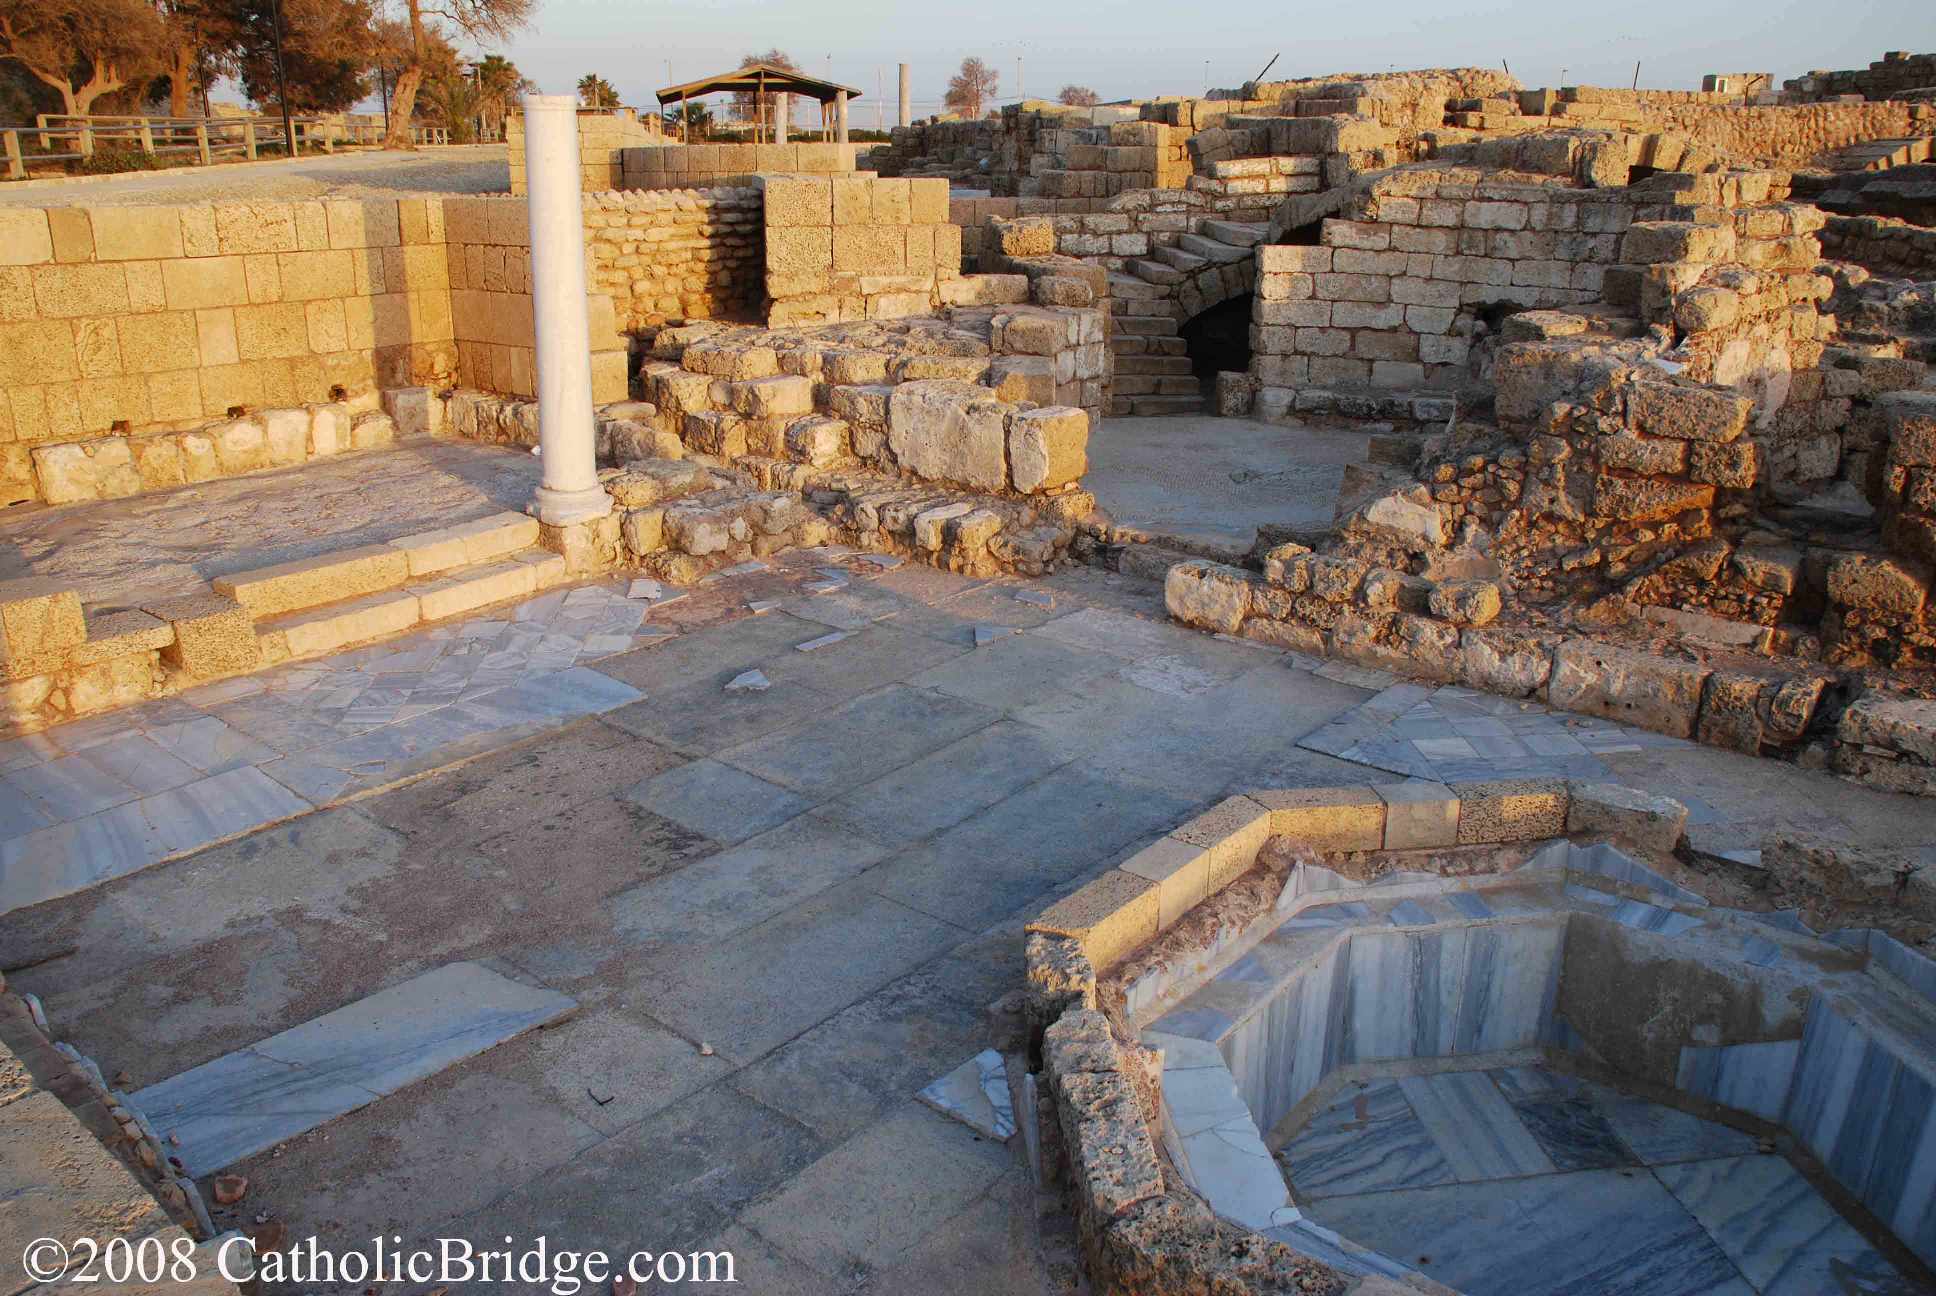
<point>130,319</point>
<point>685,254</point>
<point>1882,245</point>
<point>706,166</point>
<point>603,139</point>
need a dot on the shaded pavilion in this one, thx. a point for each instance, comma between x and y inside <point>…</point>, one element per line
<point>763,79</point>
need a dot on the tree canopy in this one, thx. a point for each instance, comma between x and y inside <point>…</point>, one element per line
<point>596,92</point>
<point>1077,96</point>
<point>971,90</point>
<point>81,49</point>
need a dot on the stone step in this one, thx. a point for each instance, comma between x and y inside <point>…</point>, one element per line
<point>451,592</point>
<point>1156,272</point>
<point>1127,287</point>
<point>1153,364</point>
<point>1211,250</point>
<point>1235,233</point>
<point>1147,325</point>
<point>368,569</point>
<point>1144,405</point>
<point>1180,259</point>
<point>250,1100</point>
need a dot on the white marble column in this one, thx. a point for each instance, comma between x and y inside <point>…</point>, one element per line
<point>840,116</point>
<point>569,491</point>
<point>907,96</point>
<point>782,111</point>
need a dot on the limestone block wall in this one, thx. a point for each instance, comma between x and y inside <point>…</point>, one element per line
<point>137,319</point>
<point>686,253</point>
<point>1103,161</point>
<point>703,166</point>
<point>488,250</point>
<point>1777,135</point>
<point>1883,245</point>
<point>603,139</point>
<point>1395,294</point>
<point>856,247</point>
<point>1888,76</point>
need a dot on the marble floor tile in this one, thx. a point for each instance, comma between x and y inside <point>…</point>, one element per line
<point>1572,1132</point>
<point>18,814</point>
<point>141,763</point>
<point>1597,1232</point>
<point>250,1100</point>
<point>1477,1131</point>
<point>718,800</point>
<point>69,787</point>
<point>1660,1135</point>
<point>1783,1236</point>
<point>976,1094</point>
<point>1368,1140</point>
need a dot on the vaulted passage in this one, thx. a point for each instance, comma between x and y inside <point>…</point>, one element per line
<point>1218,341</point>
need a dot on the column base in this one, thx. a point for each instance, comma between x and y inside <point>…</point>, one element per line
<point>563,508</point>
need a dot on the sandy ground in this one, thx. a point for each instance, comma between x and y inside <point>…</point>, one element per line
<point>463,169</point>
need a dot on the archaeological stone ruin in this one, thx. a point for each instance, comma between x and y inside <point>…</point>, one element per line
<point>1327,688</point>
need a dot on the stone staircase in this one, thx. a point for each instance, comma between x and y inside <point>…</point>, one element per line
<point>317,605</point>
<point>1882,154</point>
<point>1153,374</point>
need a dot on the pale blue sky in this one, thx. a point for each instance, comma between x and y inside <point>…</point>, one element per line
<point>1138,48</point>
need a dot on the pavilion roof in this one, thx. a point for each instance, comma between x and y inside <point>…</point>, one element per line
<point>770,77</point>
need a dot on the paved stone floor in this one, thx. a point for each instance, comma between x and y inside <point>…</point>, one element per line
<point>780,912</point>
<point>1214,481</point>
<point>174,542</point>
<point>461,169</point>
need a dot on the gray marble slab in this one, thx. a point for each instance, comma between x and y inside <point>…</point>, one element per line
<point>1592,1233</point>
<point>976,1094</point>
<point>1368,1140</point>
<point>250,1100</point>
<point>1662,1135</point>
<point>1783,1236</point>
<point>1476,1129</point>
<point>1753,1078</point>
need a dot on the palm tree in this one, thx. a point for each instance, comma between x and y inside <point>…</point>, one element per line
<point>498,83</point>
<point>457,99</point>
<point>699,121</point>
<point>596,92</point>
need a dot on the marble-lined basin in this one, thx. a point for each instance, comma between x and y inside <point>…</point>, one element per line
<point>1391,1037</point>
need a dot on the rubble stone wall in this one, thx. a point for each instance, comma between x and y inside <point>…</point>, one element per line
<point>1776,135</point>
<point>1882,245</point>
<point>126,319</point>
<point>687,253</point>
<point>1887,77</point>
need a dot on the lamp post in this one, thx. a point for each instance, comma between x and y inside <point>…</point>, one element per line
<point>282,81</point>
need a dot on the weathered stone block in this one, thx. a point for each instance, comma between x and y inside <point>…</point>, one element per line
<point>1513,810</point>
<point>1687,413</point>
<point>1111,917</point>
<point>949,431</point>
<point>1208,595</point>
<point>1047,447</point>
<point>1466,602</point>
<point>1653,692</point>
<point>214,636</point>
<point>40,623</point>
<point>1653,823</point>
<point>1327,819</point>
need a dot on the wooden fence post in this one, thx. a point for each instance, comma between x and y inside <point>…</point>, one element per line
<point>16,169</point>
<point>147,138</point>
<point>248,139</point>
<point>201,141</point>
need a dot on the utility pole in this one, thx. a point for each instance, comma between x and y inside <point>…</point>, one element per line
<point>1020,94</point>
<point>282,82</point>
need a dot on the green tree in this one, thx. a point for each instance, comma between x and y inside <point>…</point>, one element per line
<point>498,83</point>
<point>421,31</point>
<point>329,52</point>
<point>81,49</point>
<point>971,90</point>
<point>699,120</point>
<point>457,101</point>
<point>596,92</point>
<point>748,105</point>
